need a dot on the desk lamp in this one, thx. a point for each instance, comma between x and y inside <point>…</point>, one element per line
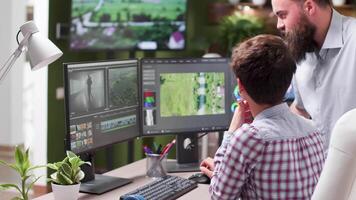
<point>41,50</point>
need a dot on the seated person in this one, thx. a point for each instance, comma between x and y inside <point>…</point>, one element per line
<point>279,155</point>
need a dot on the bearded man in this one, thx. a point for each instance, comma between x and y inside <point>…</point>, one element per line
<point>323,43</point>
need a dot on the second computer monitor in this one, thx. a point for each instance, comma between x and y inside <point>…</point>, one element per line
<point>185,95</point>
<point>101,104</point>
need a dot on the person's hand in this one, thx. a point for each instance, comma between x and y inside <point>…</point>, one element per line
<point>207,166</point>
<point>242,115</point>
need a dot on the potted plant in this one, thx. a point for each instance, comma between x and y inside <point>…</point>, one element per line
<point>238,27</point>
<point>24,168</point>
<point>65,181</point>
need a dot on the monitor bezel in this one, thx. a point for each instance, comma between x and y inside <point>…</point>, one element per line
<point>66,104</point>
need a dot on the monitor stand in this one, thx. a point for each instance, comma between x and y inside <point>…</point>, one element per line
<point>96,183</point>
<point>187,154</point>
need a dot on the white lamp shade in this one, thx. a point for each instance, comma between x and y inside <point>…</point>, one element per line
<point>41,51</point>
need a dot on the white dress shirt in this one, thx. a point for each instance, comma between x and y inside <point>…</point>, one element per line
<point>325,82</point>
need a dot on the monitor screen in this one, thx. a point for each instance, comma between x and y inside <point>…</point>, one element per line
<point>128,24</point>
<point>101,103</point>
<point>185,95</point>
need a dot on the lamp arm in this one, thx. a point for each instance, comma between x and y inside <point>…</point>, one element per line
<point>11,61</point>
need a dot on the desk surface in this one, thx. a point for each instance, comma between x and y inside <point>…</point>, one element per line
<point>136,171</point>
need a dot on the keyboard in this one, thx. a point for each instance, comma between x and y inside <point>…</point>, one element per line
<point>166,188</point>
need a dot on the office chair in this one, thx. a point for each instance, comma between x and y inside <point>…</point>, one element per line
<point>338,178</point>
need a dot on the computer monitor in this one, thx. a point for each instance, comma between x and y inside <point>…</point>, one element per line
<point>101,110</point>
<point>185,96</point>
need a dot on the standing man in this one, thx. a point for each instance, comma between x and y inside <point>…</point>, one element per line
<point>323,43</point>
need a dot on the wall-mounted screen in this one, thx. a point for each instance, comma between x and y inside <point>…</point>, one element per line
<point>128,24</point>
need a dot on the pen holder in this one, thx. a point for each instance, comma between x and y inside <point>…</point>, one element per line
<point>155,165</point>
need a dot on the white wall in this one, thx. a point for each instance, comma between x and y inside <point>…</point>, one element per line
<point>11,126</point>
<point>23,94</point>
<point>36,85</point>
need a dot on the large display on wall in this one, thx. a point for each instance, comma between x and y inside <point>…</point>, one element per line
<point>128,24</point>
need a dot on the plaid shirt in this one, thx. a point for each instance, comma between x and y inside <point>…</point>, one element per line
<point>278,156</point>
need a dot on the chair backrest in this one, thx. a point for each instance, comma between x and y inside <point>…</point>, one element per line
<point>338,178</point>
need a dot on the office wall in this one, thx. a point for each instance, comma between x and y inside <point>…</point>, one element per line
<point>59,13</point>
<point>35,98</point>
<point>23,94</point>
<point>11,90</point>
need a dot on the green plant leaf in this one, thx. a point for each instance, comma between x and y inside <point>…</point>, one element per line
<point>26,155</point>
<point>71,154</point>
<point>65,168</point>
<point>18,156</point>
<point>25,165</point>
<point>58,164</point>
<point>17,198</point>
<point>53,177</point>
<point>52,166</point>
<point>26,177</point>
<point>12,166</point>
<point>82,163</point>
<point>8,186</point>
<point>31,184</point>
<point>66,160</point>
<point>79,176</point>
<point>238,27</point>
<point>63,179</point>
<point>74,162</point>
<point>51,180</point>
<point>36,167</point>
<point>4,163</point>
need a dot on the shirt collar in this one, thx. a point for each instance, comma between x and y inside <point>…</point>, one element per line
<point>273,111</point>
<point>333,37</point>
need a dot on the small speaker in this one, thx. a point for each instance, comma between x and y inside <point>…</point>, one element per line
<point>187,148</point>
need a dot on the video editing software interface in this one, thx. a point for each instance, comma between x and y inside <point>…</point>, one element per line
<point>102,103</point>
<point>186,95</point>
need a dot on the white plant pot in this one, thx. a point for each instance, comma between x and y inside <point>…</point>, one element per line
<point>338,2</point>
<point>259,2</point>
<point>65,192</point>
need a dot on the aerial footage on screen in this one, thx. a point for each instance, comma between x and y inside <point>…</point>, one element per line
<point>187,94</point>
<point>128,24</point>
<point>122,87</point>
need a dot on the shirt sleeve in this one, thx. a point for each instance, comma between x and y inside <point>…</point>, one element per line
<point>234,161</point>
<point>297,98</point>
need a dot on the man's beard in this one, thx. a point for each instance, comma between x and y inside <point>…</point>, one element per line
<point>301,40</point>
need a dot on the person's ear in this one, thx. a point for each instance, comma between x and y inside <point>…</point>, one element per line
<point>309,7</point>
<point>241,86</point>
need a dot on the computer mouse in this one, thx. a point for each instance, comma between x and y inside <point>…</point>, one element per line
<point>200,178</point>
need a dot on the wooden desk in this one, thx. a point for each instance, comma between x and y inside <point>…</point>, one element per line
<point>136,171</point>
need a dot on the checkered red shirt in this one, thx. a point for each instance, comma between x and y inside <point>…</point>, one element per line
<point>278,156</point>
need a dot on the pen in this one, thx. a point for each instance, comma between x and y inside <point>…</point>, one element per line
<point>167,148</point>
<point>155,146</point>
<point>159,149</point>
<point>147,150</point>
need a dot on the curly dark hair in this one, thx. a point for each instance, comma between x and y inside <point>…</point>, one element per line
<point>265,67</point>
